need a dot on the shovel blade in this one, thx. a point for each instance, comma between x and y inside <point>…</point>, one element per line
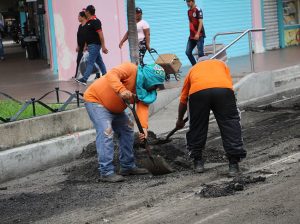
<point>156,165</point>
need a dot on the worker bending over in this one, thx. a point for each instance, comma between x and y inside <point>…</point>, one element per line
<point>104,101</point>
<point>208,86</point>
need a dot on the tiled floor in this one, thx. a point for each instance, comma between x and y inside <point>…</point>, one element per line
<point>24,79</point>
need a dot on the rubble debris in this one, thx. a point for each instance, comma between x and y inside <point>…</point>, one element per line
<point>228,188</point>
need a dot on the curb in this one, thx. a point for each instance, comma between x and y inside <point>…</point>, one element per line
<point>24,160</point>
<point>27,159</point>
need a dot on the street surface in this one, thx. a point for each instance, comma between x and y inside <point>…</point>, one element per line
<point>72,194</point>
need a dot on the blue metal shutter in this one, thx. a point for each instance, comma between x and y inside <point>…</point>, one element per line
<point>226,16</point>
<point>170,28</point>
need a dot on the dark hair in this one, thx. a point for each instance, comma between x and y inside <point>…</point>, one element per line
<point>82,14</point>
<point>138,10</point>
<point>91,9</point>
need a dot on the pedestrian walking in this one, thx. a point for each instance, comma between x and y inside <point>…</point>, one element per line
<point>143,30</point>
<point>80,38</point>
<point>94,41</point>
<point>197,31</point>
<point>105,106</point>
<point>208,86</point>
<point>1,41</point>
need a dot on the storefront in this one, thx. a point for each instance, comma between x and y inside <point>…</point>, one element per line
<point>281,18</point>
<point>289,22</point>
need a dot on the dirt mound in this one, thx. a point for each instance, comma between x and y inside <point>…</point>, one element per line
<point>174,153</point>
<point>229,188</point>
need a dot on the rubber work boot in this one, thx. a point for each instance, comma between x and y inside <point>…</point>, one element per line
<point>113,178</point>
<point>199,166</point>
<point>234,169</point>
<point>134,171</point>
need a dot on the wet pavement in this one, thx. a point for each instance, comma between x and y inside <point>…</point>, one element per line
<point>271,137</point>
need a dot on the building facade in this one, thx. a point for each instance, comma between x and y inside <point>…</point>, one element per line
<point>169,27</point>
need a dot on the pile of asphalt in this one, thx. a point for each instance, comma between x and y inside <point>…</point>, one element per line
<point>229,188</point>
<point>174,153</point>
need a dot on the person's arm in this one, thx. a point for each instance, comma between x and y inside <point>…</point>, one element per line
<point>98,29</point>
<point>117,75</point>
<point>101,37</point>
<point>147,37</point>
<point>125,38</point>
<point>182,108</point>
<point>227,70</point>
<point>197,36</point>
<point>200,26</point>
<point>142,111</point>
<point>146,30</point>
<point>85,47</point>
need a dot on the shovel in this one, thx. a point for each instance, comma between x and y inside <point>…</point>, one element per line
<point>167,139</point>
<point>156,165</point>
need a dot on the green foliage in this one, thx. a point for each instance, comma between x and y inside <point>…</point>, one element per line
<point>9,108</point>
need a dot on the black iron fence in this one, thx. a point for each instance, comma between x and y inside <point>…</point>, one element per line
<point>74,99</point>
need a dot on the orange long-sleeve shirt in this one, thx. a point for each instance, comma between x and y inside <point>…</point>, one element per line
<point>106,90</point>
<point>205,75</point>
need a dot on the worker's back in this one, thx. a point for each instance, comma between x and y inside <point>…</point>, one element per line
<point>209,74</point>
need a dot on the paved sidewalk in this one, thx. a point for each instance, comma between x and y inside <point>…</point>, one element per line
<point>24,79</point>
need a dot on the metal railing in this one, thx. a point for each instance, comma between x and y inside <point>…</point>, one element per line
<point>72,98</point>
<point>243,33</point>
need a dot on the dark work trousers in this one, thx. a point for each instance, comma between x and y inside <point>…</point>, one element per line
<point>142,51</point>
<point>79,56</point>
<point>223,104</point>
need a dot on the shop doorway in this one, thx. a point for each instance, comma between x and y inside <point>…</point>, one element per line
<point>26,42</point>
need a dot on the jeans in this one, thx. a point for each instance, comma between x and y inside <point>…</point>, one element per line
<point>1,49</point>
<point>223,104</point>
<point>94,56</point>
<point>191,44</point>
<point>106,124</point>
<point>142,51</point>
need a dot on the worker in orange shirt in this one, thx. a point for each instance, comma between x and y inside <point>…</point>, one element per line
<point>104,101</point>
<point>208,86</point>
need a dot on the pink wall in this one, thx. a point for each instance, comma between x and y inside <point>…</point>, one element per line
<point>113,18</point>
<point>257,23</point>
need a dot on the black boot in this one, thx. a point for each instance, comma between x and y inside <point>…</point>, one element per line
<point>234,169</point>
<point>199,166</point>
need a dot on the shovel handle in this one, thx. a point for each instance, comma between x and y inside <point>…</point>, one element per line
<point>137,120</point>
<point>175,129</point>
<point>138,123</point>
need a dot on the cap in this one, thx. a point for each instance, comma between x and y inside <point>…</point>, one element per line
<point>138,10</point>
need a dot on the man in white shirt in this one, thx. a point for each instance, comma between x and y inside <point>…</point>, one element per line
<point>143,30</point>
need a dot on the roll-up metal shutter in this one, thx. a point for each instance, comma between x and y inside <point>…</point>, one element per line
<point>170,27</point>
<point>271,24</point>
<point>226,16</point>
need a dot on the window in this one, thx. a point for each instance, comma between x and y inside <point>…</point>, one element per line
<point>291,12</point>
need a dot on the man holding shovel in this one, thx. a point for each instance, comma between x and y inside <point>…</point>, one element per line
<point>106,108</point>
<point>208,86</point>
